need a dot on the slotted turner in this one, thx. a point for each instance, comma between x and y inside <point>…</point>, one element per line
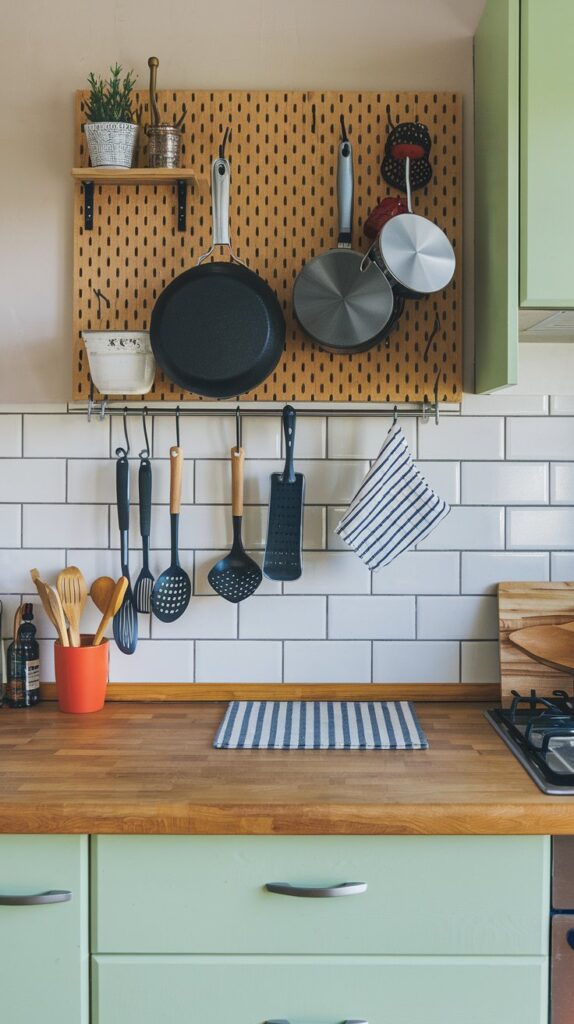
<point>237,576</point>
<point>126,619</point>
<point>172,590</point>
<point>144,582</point>
<point>285,524</point>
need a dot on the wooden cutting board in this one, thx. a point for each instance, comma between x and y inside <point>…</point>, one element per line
<point>523,606</point>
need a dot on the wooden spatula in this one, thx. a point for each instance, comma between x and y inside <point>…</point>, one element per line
<point>73,594</point>
<point>550,645</point>
<point>52,606</point>
<point>101,592</point>
<point>112,609</point>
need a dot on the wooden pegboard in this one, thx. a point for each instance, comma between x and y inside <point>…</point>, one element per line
<point>283,211</point>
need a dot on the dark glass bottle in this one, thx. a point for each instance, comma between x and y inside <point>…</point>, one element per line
<point>23,684</point>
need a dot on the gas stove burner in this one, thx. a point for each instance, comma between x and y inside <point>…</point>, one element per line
<point>540,732</point>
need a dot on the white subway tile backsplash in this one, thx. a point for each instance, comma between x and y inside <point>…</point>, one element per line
<point>327,661</point>
<point>457,618</point>
<point>420,572</point>
<point>362,437</point>
<point>310,438</point>
<point>562,566</point>
<point>480,662</point>
<point>551,438</point>
<point>371,618</point>
<point>10,436</point>
<point>504,404</point>
<point>540,528</point>
<point>428,617</point>
<point>32,480</point>
<point>283,618</point>
<point>238,661</point>
<point>562,405</point>
<point>444,478</point>
<point>416,661</point>
<point>205,618</point>
<point>481,571</point>
<point>10,527</point>
<point>15,565</point>
<point>58,526</point>
<point>505,483</point>
<point>462,437</point>
<point>468,528</point>
<point>66,436</point>
<point>562,483</point>
<point>153,659</point>
<point>331,572</point>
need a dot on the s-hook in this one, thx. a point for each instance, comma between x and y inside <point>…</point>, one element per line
<point>122,453</point>
<point>145,452</point>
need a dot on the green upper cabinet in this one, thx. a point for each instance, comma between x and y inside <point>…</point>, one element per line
<point>546,153</point>
<point>524,150</point>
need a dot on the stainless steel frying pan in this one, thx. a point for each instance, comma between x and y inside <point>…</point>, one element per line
<point>339,306</point>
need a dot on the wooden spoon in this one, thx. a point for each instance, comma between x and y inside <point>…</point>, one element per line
<point>112,609</point>
<point>52,606</point>
<point>550,645</point>
<point>101,592</point>
<point>73,595</point>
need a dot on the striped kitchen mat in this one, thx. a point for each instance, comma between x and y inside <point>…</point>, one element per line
<point>320,725</point>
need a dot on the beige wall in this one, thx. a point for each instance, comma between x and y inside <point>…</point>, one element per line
<point>47,47</point>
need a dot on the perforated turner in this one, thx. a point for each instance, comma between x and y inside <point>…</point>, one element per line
<point>285,524</point>
<point>237,576</point>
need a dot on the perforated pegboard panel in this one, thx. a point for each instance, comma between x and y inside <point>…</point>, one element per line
<point>283,211</point>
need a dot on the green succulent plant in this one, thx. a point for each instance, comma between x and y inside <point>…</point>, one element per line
<point>111,99</point>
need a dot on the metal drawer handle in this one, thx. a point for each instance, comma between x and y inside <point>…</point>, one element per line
<point>344,1022</point>
<point>316,892</point>
<point>37,899</point>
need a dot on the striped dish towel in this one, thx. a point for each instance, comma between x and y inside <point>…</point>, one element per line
<point>320,725</point>
<point>393,509</point>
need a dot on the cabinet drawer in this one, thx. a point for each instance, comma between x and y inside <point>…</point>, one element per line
<point>319,990</point>
<point>429,894</point>
<point>43,946</point>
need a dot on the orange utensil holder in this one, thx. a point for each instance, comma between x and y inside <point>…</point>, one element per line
<point>81,675</point>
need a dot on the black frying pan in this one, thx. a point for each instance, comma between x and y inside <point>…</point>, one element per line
<point>218,330</point>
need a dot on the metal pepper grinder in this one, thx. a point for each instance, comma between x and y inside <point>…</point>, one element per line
<point>164,139</point>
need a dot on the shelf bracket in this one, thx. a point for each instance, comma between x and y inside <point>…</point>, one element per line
<point>181,204</point>
<point>88,205</point>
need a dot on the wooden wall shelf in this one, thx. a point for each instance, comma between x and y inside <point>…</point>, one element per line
<point>282,154</point>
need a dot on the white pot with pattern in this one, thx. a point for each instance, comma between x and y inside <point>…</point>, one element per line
<point>111,143</point>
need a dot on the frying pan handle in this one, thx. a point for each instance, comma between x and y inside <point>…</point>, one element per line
<point>345,193</point>
<point>176,459</point>
<point>237,464</point>
<point>220,200</point>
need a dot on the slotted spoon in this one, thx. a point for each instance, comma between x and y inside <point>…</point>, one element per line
<point>237,576</point>
<point>172,590</point>
<point>73,593</point>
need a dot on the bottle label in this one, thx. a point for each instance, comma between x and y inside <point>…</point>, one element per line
<point>32,675</point>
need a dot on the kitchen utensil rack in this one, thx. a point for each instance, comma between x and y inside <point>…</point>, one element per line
<point>283,212</point>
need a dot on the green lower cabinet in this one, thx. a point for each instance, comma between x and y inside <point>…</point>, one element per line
<point>44,956</point>
<point>435,895</point>
<point>319,990</point>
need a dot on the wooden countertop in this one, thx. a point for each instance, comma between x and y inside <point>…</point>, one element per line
<point>150,768</point>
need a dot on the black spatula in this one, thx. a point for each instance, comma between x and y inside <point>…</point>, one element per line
<point>285,525</point>
<point>237,576</point>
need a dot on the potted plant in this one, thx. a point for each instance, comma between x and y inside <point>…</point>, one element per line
<point>110,129</point>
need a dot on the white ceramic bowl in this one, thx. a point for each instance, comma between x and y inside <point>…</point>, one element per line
<point>121,362</point>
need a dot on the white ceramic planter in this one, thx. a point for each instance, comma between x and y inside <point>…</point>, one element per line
<point>121,362</point>
<point>111,143</point>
